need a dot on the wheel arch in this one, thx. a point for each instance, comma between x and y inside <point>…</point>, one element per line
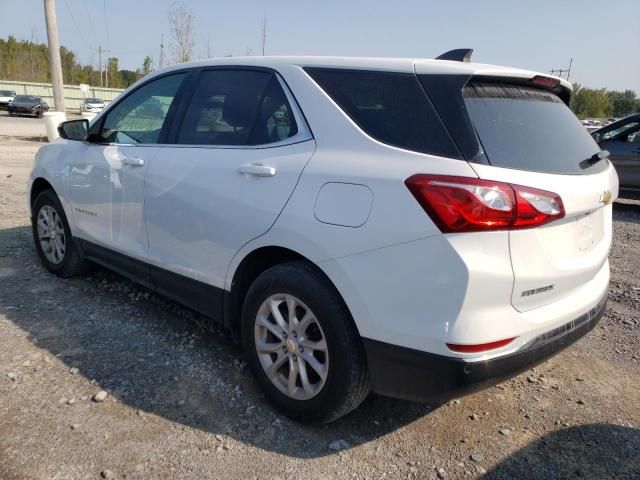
<point>255,263</point>
<point>38,186</point>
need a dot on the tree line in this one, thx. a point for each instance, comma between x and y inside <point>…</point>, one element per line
<point>603,103</point>
<point>28,61</point>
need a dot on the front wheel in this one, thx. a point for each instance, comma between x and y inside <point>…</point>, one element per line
<point>302,344</point>
<point>52,236</point>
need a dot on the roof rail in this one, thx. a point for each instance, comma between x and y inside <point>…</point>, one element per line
<point>457,55</point>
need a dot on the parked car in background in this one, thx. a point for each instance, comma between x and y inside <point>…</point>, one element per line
<point>416,228</point>
<point>28,105</point>
<point>92,105</point>
<point>622,139</point>
<point>6,97</point>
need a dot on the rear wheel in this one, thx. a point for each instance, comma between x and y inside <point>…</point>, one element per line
<point>53,239</point>
<point>302,345</point>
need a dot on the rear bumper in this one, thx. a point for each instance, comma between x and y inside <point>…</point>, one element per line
<point>409,374</point>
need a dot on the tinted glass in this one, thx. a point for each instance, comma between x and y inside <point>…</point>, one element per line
<point>390,107</point>
<point>275,120</point>
<point>621,133</point>
<point>529,129</point>
<point>26,99</point>
<point>224,107</point>
<point>140,116</point>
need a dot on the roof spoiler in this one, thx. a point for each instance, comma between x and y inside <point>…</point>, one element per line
<point>457,55</point>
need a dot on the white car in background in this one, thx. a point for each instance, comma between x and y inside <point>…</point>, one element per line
<point>6,97</point>
<point>92,105</point>
<point>416,228</point>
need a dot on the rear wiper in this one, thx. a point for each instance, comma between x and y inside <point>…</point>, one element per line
<point>595,158</point>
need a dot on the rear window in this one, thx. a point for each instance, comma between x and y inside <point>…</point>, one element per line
<point>390,107</point>
<point>529,129</point>
<point>26,98</point>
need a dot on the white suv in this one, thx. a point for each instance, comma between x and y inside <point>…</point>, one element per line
<point>415,228</point>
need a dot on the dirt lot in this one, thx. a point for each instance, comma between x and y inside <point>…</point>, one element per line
<point>181,403</point>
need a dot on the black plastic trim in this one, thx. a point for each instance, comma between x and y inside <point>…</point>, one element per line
<point>202,297</point>
<point>445,93</point>
<point>457,55</point>
<point>410,374</point>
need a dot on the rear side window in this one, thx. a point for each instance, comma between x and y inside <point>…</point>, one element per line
<point>529,129</point>
<point>237,107</point>
<point>390,107</point>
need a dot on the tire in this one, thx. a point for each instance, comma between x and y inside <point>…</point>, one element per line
<point>68,264</point>
<point>40,114</point>
<point>346,383</point>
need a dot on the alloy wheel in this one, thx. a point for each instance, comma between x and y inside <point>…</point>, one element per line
<point>291,346</point>
<point>51,234</point>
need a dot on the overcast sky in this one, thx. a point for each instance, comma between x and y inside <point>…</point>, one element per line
<point>602,37</point>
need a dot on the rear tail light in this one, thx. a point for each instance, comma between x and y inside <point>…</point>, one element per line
<point>463,204</point>
<point>482,347</point>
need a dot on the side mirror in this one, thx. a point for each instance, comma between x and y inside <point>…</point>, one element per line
<point>74,129</point>
<point>596,137</point>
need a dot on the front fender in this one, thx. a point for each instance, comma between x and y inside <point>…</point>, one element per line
<point>52,164</point>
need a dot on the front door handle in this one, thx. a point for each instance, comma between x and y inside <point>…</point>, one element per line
<point>257,170</point>
<point>133,162</point>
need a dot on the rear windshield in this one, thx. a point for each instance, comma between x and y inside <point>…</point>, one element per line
<point>390,107</point>
<point>6,93</point>
<point>529,129</point>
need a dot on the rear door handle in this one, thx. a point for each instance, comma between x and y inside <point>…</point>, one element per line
<point>257,170</point>
<point>133,162</point>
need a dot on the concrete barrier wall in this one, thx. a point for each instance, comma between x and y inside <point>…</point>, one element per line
<point>73,96</point>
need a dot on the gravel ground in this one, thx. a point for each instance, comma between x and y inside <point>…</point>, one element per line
<point>180,402</point>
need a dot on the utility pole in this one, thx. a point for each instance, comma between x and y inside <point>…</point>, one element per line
<point>54,54</point>
<point>161,50</point>
<point>100,51</point>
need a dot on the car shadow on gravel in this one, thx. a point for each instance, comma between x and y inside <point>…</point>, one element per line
<point>150,354</point>
<point>595,451</point>
<point>627,212</point>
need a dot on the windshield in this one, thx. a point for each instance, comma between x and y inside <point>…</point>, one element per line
<point>529,129</point>
<point>6,93</point>
<point>27,99</point>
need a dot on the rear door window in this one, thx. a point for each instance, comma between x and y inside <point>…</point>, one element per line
<point>390,107</point>
<point>237,107</point>
<point>529,129</point>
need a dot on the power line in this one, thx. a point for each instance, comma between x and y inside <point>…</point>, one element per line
<point>106,22</point>
<point>75,23</point>
<point>93,30</point>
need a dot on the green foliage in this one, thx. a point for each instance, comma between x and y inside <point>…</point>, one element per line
<point>603,103</point>
<point>588,102</point>
<point>147,65</point>
<point>27,61</point>
<point>623,103</point>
